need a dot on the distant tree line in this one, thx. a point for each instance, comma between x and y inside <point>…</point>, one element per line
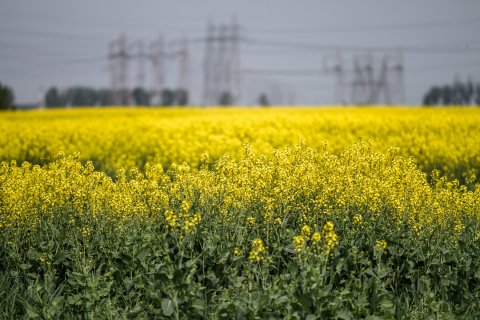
<point>6,98</point>
<point>87,96</point>
<point>459,93</point>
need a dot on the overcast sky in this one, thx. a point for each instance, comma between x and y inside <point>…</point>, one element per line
<point>63,43</point>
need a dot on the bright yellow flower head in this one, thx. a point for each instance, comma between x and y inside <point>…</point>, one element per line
<point>299,243</point>
<point>257,251</point>
<point>306,231</point>
<point>380,245</point>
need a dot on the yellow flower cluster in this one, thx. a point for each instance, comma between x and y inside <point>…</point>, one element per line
<point>237,251</point>
<point>316,238</point>
<point>192,222</point>
<point>316,189</point>
<point>299,186</point>
<point>319,242</point>
<point>257,252</point>
<point>299,243</point>
<point>305,231</point>
<point>85,232</point>
<point>182,221</point>
<point>331,238</point>
<point>357,219</point>
<point>171,218</point>
<point>380,245</point>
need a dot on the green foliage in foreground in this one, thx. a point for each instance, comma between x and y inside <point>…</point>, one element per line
<point>142,272</point>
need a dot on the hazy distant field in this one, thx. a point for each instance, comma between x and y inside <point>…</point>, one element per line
<point>445,139</point>
<point>240,213</point>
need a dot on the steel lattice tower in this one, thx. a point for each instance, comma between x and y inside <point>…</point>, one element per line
<point>221,63</point>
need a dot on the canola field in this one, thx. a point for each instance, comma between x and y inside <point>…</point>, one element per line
<point>320,213</point>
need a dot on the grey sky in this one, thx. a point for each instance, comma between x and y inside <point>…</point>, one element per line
<point>63,43</point>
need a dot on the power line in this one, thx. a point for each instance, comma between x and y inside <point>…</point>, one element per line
<point>33,53</point>
<point>63,36</point>
<point>323,72</point>
<point>68,62</point>
<point>290,72</point>
<point>46,75</point>
<point>330,47</point>
<point>445,65</point>
<point>130,24</point>
<point>374,27</point>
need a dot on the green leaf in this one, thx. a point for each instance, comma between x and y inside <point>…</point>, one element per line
<point>236,281</point>
<point>59,257</point>
<point>305,300</point>
<point>263,300</point>
<point>31,312</point>
<point>423,285</point>
<point>281,300</point>
<point>138,282</point>
<point>199,304</point>
<point>167,307</point>
<point>387,304</point>
<point>134,312</point>
<point>290,249</point>
<point>343,314</point>
<point>103,292</point>
<point>240,313</point>
<point>178,276</point>
<point>212,277</point>
<point>25,266</point>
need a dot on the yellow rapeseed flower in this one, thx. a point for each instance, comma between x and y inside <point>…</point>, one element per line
<point>380,245</point>
<point>306,231</point>
<point>299,243</point>
<point>357,219</point>
<point>257,252</point>
<point>237,251</point>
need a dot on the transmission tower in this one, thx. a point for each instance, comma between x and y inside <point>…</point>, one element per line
<point>396,77</point>
<point>141,58</point>
<point>377,78</point>
<point>335,64</point>
<point>207,64</point>
<point>118,57</point>
<point>360,90</point>
<point>119,54</point>
<point>183,67</point>
<point>157,58</point>
<point>235,61</point>
<point>222,63</point>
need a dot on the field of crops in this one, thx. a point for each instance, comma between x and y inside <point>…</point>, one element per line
<point>240,213</point>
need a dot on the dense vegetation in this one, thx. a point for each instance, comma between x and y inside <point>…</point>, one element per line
<point>310,230</point>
